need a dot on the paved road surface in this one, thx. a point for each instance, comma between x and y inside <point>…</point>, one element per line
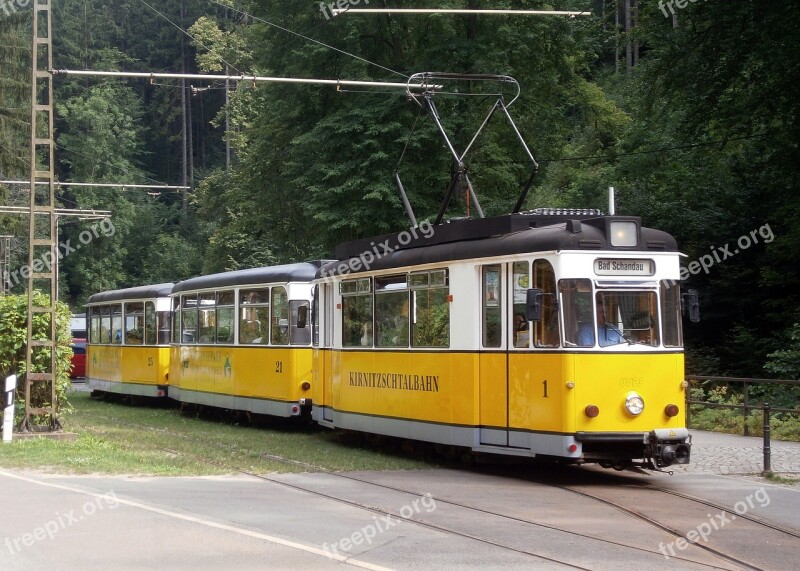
<point>444,519</point>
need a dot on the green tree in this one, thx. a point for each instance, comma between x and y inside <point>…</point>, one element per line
<point>13,335</point>
<point>316,165</point>
<point>15,53</point>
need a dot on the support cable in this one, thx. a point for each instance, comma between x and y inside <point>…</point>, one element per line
<point>186,33</point>
<point>288,31</point>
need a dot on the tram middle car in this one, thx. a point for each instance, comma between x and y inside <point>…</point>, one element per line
<point>242,340</point>
<point>550,333</point>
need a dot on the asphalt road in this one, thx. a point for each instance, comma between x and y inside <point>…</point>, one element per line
<point>443,519</point>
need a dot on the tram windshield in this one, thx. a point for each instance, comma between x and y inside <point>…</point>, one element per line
<point>608,318</point>
<point>627,317</point>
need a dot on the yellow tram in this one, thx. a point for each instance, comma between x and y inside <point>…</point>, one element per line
<point>549,333</point>
<point>128,343</point>
<point>242,340</point>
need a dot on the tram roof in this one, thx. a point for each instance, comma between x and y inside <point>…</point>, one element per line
<point>490,237</point>
<point>300,272</point>
<point>141,292</point>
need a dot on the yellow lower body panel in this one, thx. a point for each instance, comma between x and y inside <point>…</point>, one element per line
<point>533,401</point>
<point>241,376</point>
<point>128,369</point>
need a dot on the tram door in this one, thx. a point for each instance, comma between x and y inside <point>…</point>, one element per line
<point>493,366</point>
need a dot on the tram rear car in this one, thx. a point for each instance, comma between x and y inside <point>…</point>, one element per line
<point>128,343</point>
<point>421,342</point>
<point>242,340</point>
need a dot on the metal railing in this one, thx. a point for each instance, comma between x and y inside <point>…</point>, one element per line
<point>745,407</point>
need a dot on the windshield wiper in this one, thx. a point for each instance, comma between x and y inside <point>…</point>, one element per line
<point>621,334</point>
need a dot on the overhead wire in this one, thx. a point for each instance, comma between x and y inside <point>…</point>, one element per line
<point>408,140</point>
<point>186,33</point>
<point>14,155</point>
<point>328,46</point>
<point>57,145</point>
<point>307,38</point>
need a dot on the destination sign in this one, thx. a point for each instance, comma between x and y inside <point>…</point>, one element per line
<point>622,267</point>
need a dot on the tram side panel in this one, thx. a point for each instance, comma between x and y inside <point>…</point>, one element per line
<point>148,366</point>
<point>103,364</point>
<point>130,370</point>
<point>321,385</point>
<point>539,399</point>
<point>427,396</point>
<point>262,380</point>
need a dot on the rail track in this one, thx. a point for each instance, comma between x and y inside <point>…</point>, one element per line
<point>725,559</point>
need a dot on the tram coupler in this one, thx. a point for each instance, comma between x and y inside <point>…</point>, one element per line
<point>668,446</point>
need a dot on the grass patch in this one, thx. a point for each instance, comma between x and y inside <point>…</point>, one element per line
<point>792,480</point>
<point>114,438</point>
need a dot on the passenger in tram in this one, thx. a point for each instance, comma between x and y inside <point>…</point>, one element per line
<point>521,334</point>
<point>366,334</point>
<point>607,334</point>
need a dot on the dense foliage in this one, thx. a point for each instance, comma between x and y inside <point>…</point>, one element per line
<point>13,333</point>
<point>700,139</point>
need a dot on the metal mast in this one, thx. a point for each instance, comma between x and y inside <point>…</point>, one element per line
<point>42,232</point>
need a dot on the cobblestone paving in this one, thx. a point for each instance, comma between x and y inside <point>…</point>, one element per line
<point>714,453</point>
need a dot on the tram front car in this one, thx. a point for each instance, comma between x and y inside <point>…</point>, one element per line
<point>617,301</point>
<point>557,334</point>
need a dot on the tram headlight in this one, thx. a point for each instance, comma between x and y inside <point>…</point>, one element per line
<point>624,234</point>
<point>634,404</point>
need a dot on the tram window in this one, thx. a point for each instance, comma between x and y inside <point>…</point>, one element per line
<point>577,308</point>
<point>280,316</point>
<point>254,325</point>
<point>226,298</point>
<point>546,331</point>
<point>150,323</point>
<point>431,315</point>
<point>391,311</point>
<point>94,325</point>
<point>225,327</point>
<point>357,313</point>
<point>105,324</point>
<point>116,324</point>
<point>520,329</point>
<point>254,316</point>
<point>629,316</point>
<point>671,314</point>
<point>254,297</point>
<point>207,318</point>
<point>134,323</point>
<point>176,319</point>
<point>420,280</point>
<point>164,326</point>
<point>297,335</point>
<point>189,318</point>
<point>226,311</point>
<point>492,304</point>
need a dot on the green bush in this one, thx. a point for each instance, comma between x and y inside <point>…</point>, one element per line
<point>13,333</point>
<point>783,426</point>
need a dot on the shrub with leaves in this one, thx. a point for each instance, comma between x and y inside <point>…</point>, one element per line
<point>13,333</point>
